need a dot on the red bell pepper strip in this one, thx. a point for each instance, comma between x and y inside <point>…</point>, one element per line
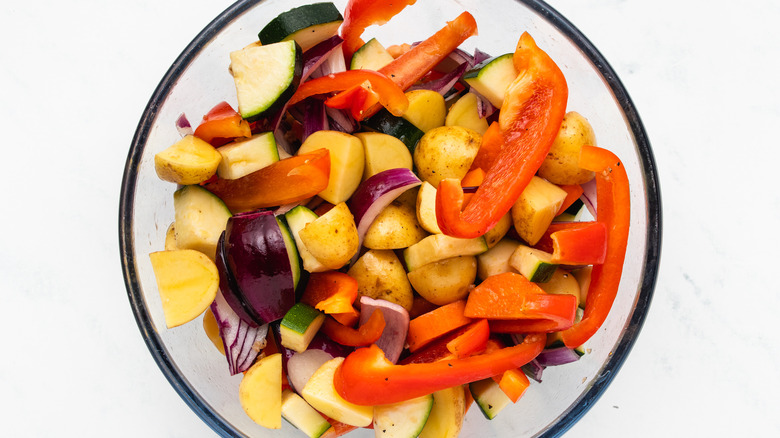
<point>359,14</point>
<point>585,245</point>
<point>331,292</point>
<point>490,148</point>
<point>529,325</point>
<point>366,377</point>
<point>613,208</point>
<point>440,321</point>
<point>411,66</point>
<point>573,192</point>
<point>512,296</point>
<point>471,341</point>
<point>390,95</point>
<point>530,118</point>
<point>221,125</point>
<point>365,334</point>
<point>286,181</point>
<point>545,243</point>
<point>437,349</point>
<point>512,382</point>
<point>357,99</point>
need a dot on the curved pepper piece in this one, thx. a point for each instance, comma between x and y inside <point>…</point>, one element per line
<point>366,334</point>
<point>390,95</point>
<point>613,208</point>
<point>366,377</point>
<point>530,118</point>
<point>359,14</point>
<point>221,125</point>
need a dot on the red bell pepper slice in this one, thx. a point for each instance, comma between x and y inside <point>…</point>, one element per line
<point>586,245</point>
<point>366,377</point>
<point>512,296</point>
<point>221,125</point>
<point>290,180</point>
<point>390,95</point>
<point>530,118</point>
<point>366,334</point>
<point>357,99</point>
<point>359,14</point>
<point>529,325</point>
<point>573,192</point>
<point>440,321</point>
<point>545,243</point>
<point>613,208</point>
<point>471,341</point>
<point>512,382</point>
<point>437,349</point>
<point>489,149</point>
<point>331,292</point>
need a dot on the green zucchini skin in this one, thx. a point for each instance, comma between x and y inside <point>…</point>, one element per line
<point>398,127</point>
<point>301,22</point>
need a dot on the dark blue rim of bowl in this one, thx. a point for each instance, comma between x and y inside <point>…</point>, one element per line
<point>653,242</point>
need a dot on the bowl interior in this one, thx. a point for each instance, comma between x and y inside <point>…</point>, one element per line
<point>199,79</point>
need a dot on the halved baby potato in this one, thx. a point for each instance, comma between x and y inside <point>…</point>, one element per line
<point>187,281</point>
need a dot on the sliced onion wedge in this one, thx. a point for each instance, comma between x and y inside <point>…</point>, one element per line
<point>376,193</point>
<point>557,356</point>
<point>242,341</point>
<point>396,325</point>
<point>301,366</point>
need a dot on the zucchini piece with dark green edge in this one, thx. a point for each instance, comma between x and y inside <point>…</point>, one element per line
<point>534,264</point>
<point>405,419</point>
<point>308,25</point>
<point>489,397</point>
<point>265,77</point>
<point>491,77</point>
<point>572,213</point>
<point>299,326</point>
<point>370,56</point>
<point>398,127</point>
<point>292,250</point>
<point>301,415</point>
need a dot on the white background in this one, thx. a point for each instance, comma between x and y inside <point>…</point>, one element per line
<point>76,75</point>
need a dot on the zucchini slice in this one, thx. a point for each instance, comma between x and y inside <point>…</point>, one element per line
<point>299,326</point>
<point>491,77</point>
<point>243,157</point>
<point>200,218</point>
<point>402,420</point>
<point>304,417</point>
<point>534,264</point>
<point>307,25</point>
<point>297,218</point>
<point>371,56</point>
<point>489,397</point>
<point>265,77</point>
<point>398,127</point>
<point>292,250</point>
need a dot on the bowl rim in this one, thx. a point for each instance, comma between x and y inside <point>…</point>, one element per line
<point>645,155</point>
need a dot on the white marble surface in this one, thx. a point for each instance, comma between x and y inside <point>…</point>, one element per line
<point>75,76</point>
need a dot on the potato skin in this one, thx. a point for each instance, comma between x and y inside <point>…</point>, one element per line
<point>332,238</point>
<point>396,227</point>
<point>446,152</point>
<point>445,281</point>
<point>561,166</point>
<point>381,276</point>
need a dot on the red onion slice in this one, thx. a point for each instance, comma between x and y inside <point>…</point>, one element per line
<point>301,366</point>
<point>183,125</point>
<point>445,83</point>
<point>533,370</point>
<point>314,117</point>
<point>341,120</point>
<point>376,193</point>
<point>314,57</point>
<point>239,338</point>
<point>557,356</point>
<point>396,325</point>
<point>589,196</point>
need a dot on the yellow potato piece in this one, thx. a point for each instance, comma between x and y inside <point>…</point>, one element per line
<point>260,392</point>
<point>189,161</point>
<point>332,238</point>
<point>187,281</point>
<point>446,418</point>
<point>321,394</point>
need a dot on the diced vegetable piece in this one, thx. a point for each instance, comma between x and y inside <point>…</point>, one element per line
<point>257,256</point>
<point>404,419</point>
<point>346,162</point>
<point>396,227</point>
<point>393,338</point>
<point>426,109</point>
<point>439,247</point>
<point>535,209</point>
<point>321,394</point>
<point>495,234</point>
<point>536,265</point>
<point>331,292</point>
<point>332,238</point>
<point>292,250</point>
<point>496,260</point>
<point>492,77</point>
<point>308,25</point>
<point>446,152</point>
<point>426,208</point>
<point>170,238</point>
<point>266,76</point>
<point>302,365</point>
<point>489,397</point>
<point>383,152</point>
<point>365,334</point>
<point>371,56</point>
<point>446,418</point>
<point>301,415</point>
<point>299,326</point>
<point>395,126</point>
<point>297,218</point>
<point>380,275</point>
<point>465,113</point>
<point>562,164</point>
<point>586,245</point>
<point>188,161</point>
<point>513,383</point>
<point>221,125</point>
<point>260,392</point>
<point>243,157</point>
<point>583,279</point>
<point>445,281</point>
<point>187,281</point>
<point>425,328</point>
<point>200,218</point>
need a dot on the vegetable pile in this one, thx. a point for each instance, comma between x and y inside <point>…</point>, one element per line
<point>380,236</point>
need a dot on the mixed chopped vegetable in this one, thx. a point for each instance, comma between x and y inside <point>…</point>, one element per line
<point>380,236</point>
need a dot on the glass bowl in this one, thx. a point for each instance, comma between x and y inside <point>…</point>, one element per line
<point>199,78</point>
